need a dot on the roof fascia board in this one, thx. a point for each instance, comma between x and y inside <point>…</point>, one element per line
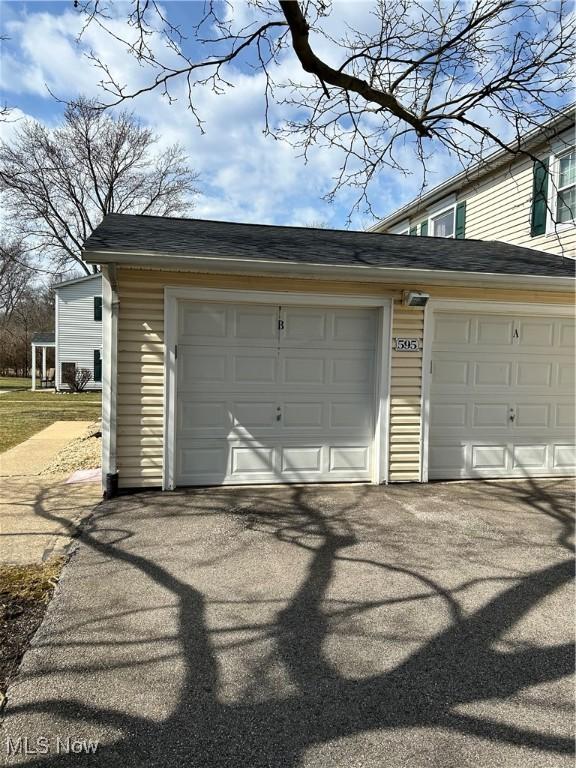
<point>222,265</point>
<point>76,280</point>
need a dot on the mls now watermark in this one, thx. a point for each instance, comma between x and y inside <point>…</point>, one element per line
<point>43,745</point>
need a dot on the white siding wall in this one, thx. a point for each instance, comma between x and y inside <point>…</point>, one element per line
<point>77,333</point>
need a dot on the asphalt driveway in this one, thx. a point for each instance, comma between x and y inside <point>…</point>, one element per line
<point>321,626</point>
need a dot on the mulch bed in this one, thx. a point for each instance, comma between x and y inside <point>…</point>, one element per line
<point>25,591</point>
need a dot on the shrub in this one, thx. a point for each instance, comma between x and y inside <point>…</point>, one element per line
<point>76,379</point>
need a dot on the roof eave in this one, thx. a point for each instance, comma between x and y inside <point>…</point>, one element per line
<point>491,163</point>
<point>394,275</point>
<point>75,280</point>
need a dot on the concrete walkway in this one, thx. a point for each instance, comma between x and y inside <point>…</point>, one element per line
<point>38,514</point>
<point>31,456</point>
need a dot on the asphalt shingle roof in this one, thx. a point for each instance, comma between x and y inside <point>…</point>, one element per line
<point>301,245</point>
<point>43,338</point>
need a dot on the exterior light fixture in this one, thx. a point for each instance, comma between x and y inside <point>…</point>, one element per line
<point>415,298</point>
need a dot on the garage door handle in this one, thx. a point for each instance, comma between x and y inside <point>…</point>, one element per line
<point>512,416</point>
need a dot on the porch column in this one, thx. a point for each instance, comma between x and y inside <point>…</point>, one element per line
<point>44,363</point>
<point>33,367</point>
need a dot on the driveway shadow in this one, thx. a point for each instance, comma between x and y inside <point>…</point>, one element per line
<point>429,686</point>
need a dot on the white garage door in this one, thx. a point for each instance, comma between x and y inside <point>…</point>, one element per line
<point>502,396</point>
<point>274,394</point>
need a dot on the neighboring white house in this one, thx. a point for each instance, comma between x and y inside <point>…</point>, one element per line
<point>79,328</point>
<point>526,199</point>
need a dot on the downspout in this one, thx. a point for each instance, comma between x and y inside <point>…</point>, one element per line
<point>110,307</point>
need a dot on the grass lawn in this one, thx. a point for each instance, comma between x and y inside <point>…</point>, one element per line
<point>25,591</point>
<point>23,413</point>
<point>13,382</point>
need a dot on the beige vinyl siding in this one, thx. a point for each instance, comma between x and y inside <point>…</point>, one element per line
<point>140,403</point>
<point>405,397</point>
<point>500,208</point>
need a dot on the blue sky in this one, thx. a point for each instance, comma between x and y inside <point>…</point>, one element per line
<point>245,175</point>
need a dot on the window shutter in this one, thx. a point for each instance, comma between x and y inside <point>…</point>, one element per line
<point>424,228</point>
<point>97,365</point>
<point>413,230</point>
<point>98,308</point>
<point>539,197</point>
<point>460,228</point>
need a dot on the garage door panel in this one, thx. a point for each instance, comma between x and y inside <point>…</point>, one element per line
<point>254,369</point>
<point>494,332</point>
<point>355,328</point>
<point>452,373</point>
<point>488,457</point>
<point>301,459</point>
<point>490,415</point>
<point>336,328</point>
<point>565,415</point>
<point>566,334</point>
<point>254,324</point>
<point>205,322</point>
<point>537,373</point>
<point>208,417</point>
<point>449,330</point>
<point>448,414</point>
<point>566,380</point>
<point>536,333</point>
<point>304,326</point>
<point>492,374</point>
<point>298,409</point>
<point>326,370</point>
<point>212,324</point>
<point>247,461</point>
<point>531,415</point>
<point>512,414</point>
<point>530,457</point>
<point>302,415</point>
<point>564,457</point>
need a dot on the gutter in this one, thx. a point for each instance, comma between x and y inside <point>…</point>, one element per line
<point>110,306</point>
<point>392,275</point>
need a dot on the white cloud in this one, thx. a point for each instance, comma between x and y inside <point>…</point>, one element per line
<point>245,175</point>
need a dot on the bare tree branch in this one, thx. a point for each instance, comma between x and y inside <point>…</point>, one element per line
<point>419,76</point>
<point>58,184</point>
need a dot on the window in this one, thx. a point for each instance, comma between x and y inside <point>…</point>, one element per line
<point>97,365</point>
<point>566,188</point>
<point>67,372</point>
<point>443,224</point>
<point>98,308</point>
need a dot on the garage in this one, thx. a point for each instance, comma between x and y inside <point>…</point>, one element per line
<point>501,395</point>
<point>271,393</point>
<point>246,353</point>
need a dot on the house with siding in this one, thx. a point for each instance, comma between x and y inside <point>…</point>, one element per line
<point>78,328</point>
<point>243,353</point>
<point>526,197</point>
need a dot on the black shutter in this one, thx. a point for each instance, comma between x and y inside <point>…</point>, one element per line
<point>539,197</point>
<point>97,365</point>
<point>460,228</point>
<point>98,308</point>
